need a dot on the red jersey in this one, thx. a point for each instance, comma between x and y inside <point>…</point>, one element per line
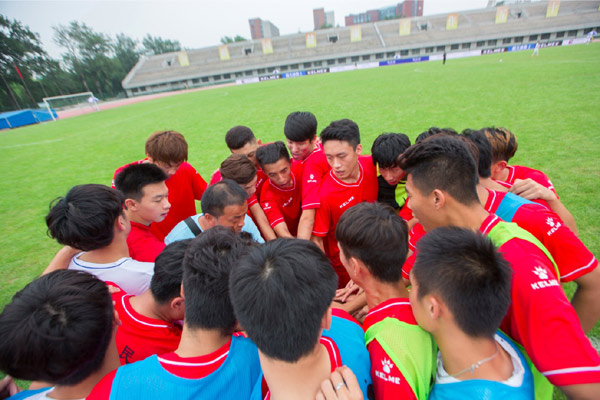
<point>185,186</point>
<point>282,205</point>
<point>541,319</point>
<point>521,172</point>
<point>570,254</point>
<point>388,381</point>
<point>337,197</point>
<point>139,336</point>
<point>312,170</point>
<point>143,245</point>
<point>405,212</point>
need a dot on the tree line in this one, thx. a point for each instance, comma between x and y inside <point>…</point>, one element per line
<point>92,61</point>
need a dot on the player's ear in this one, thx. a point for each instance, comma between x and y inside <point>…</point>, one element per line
<point>150,160</point>
<point>326,320</point>
<point>439,198</point>
<point>210,219</point>
<point>131,204</point>
<point>181,292</point>
<point>434,307</point>
<point>121,223</point>
<point>359,149</point>
<point>177,303</point>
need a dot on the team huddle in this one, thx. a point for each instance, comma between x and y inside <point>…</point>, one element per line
<point>426,270</point>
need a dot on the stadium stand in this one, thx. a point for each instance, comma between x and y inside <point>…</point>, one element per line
<point>477,30</point>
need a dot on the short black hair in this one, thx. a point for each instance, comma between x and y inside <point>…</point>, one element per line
<point>443,162</point>
<point>434,130</point>
<point>220,195</point>
<point>484,148</point>
<point>344,130</point>
<point>464,268</point>
<point>57,329</point>
<point>207,264</point>
<point>387,147</point>
<point>377,236</point>
<point>271,153</point>
<point>132,180</point>
<point>280,292</point>
<point>239,136</point>
<point>168,272</point>
<point>300,126</point>
<point>85,217</point>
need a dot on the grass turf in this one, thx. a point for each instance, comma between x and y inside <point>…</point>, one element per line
<point>543,100</point>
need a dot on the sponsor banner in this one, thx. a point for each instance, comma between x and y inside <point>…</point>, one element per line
<point>521,47</point>
<point>405,26</point>
<point>267,46</point>
<point>317,71</point>
<point>552,10</point>
<point>451,21</point>
<point>403,61</point>
<point>184,61</point>
<point>501,15</point>
<point>342,68</point>
<point>269,77</point>
<point>463,54</point>
<point>493,51</point>
<point>224,52</point>
<point>293,74</point>
<point>574,41</point>
<point>311,39</point>
<point>356,33</point>
<point>368,65</point>
<point>247,80</point>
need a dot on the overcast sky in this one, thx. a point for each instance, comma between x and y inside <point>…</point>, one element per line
<point>194,24</point>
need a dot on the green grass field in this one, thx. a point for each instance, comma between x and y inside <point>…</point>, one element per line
<point>549,102</point>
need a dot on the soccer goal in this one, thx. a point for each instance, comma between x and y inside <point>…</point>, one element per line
<point>71,101</point>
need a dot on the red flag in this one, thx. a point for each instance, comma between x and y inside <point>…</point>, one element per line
<point>18,71</point>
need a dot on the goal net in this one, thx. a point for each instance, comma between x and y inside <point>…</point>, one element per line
<point>77,103</point>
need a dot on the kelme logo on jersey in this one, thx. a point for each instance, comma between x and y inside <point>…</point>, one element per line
<point>287,203</point>
<point>387,367</point>
<point>542,273</point>
<point>267,206</point>
<point>311,179</point>
<point>553,225</point>
<point>344,204</point>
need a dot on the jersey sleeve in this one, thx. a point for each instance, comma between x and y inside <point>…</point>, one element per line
<point>252,200</point>
<point>543,321</point>
<point>102,390</point>
<point>198,184</point>
<point>312,175</point>
<point>270,207</point>
<point>322,220</point>
<point>388,381</point>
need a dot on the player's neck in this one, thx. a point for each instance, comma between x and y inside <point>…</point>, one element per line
<point>83,388</point>
<point>503,176</point>
<point>146,305</point>
<point>354,175</point>
<point>134,217</point>
<point>466,216</point>
<point>116,250</point>
<point>197,342</point>
<point>378,292</point>
<point>460,352</point>
<point>299,380</point>
<point>489,183</point>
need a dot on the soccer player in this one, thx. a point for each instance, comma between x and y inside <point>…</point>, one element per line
<point>224,203</point>
<point>281,196</point>
<point>526,182</point>
<point>442,187</point>
<point>210,362</point>
<point>59,329</point>
<point>300,131</point>
<point>281,293</point>
<point>574,261</point>
<point>146,203</point>
<point>169,151</point>
<point>352,180</point>
<point>91,218</point>
<point>385,150</point>
<point>536,49</point>
<point>460,291</point>
<point>241,140</point>
<point>150,321</point>
<point>373,246</point>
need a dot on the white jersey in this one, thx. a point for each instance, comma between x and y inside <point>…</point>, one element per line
<point>132,276</point>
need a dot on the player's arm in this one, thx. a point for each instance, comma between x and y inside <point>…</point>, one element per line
<point>307,221</point>
<point>586,300</point>
<point>582,392</point>
<point>318,241</point>
<point>532,190</point>
<point>61,260</point>
<point>281,230</point>
<point>262,222</point>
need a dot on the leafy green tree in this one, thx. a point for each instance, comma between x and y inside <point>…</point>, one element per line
<point>158,45</point>
<point>229,39</point>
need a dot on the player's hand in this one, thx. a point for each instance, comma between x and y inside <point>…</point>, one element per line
<point>341,385</point>
<point>113,289</point>
<point>361,314</point>
<point>8,387</point>
<point>531,190</point>
<point>342,295</point>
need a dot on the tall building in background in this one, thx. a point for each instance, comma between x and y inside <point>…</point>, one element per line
<point>323,18</point>
<point>262,29</point>
<point>409,8</point>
